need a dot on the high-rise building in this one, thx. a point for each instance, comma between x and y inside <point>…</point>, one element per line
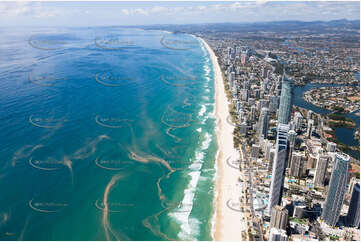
<point>263,103</point>
<point>277,235</point>
<point>271,159</point>
<point>268,148</point>
<point>264,72</point>
<point>297,166</point>
<point>353,215</point>
<point>321,169</point>
<point>273,103</point>
<point>285,108</point>
<point>331,147</point>
<point>253,113</point>
<point>336,190</point>
<point>291,141</point>
<point>263,124</point>
<point>298,120</point>
<point>309,114</point>
<point>353,182</point>
<point>255,151</point>
<point>309,128</point>
<point>279,166</point>
<point>245,94</point>
<point>279,217</point>
<point>299,210</point>
<point>244,59</point>
<point>312,161</point>
<point>291,137</point>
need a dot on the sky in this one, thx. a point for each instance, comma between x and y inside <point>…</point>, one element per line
<point>25,13</point>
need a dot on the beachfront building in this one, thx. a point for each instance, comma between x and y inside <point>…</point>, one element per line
<point>336,190</point>
<point>321,169</point>
<point>279,164</point>
<point>285,108</point>
<point>353,215</point>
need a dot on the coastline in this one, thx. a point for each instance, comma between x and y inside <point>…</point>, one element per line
<point>228,224</point>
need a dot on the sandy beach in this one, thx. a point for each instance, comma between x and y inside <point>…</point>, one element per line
<point>228,224</point>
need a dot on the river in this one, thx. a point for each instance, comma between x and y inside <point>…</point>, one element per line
<point>344,135</point>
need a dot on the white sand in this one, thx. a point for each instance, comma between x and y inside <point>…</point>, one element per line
<point>228,224</point>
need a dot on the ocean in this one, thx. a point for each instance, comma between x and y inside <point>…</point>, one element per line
<point>107,133</point>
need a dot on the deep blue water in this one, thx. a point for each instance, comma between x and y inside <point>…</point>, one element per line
<point>102,130</point>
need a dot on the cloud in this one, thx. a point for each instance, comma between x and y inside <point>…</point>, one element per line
<point>24,8</point>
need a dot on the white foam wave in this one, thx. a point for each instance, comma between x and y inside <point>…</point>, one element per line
<point>190,226</point>
<point>202,111</point>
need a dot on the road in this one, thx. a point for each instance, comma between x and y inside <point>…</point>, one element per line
<point>250,176</point>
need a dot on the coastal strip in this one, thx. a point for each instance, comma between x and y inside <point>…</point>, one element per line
<point>228,224</point>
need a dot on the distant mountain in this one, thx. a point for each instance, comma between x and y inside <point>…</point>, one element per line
<point>276,26</point>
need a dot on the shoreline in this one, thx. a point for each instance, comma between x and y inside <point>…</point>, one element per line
<point>228,224</point>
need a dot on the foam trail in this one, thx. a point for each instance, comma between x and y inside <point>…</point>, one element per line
<point>89,149</point>
<point>69,164</point>
<point>21,236</point>
<point>21,153</point>
<point>107,228</point>
<point>177,139</point>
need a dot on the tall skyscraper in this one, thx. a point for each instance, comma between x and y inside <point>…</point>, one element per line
<point>297,166</point>
<point>273,103</point>
<point>298,120</point>
<point>321,169</point>
<point>263,124</point>
<point>285,108</point>
<point>353,215</point>
<point>253,113</point>
<point>264,72</point>
<point>255,151</point>
<point>279,217</point>
<point>279,166</point>
<point>309,128</point>
<point>291,141</point>
<point>336,190</point>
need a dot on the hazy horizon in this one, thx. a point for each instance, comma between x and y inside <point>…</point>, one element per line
<point>86,14</point>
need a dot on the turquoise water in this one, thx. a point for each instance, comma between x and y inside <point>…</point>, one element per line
<point>107,134</point>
